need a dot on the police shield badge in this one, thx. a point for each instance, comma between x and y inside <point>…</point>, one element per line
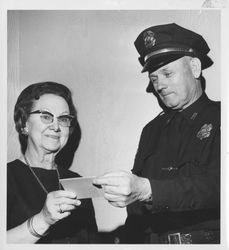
<point>205,131</point>
<point>149,39</point>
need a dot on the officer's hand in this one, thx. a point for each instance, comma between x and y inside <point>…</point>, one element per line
<point>122,188</point>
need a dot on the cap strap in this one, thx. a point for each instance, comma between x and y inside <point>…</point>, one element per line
<point>167,50</point>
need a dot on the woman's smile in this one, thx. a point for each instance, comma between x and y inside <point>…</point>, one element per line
<point>55,137</point>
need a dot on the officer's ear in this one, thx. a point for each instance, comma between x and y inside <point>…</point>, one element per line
<point>195,64</point>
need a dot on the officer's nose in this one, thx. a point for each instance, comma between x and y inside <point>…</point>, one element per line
<point>160,84</point>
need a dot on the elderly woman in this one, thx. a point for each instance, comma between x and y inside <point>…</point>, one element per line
<point>38,209</point>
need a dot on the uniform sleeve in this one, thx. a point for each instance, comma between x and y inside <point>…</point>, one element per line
<point>197,185</point>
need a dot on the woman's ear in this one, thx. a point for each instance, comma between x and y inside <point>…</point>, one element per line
<point>25,131</point>
<point>196,67</point>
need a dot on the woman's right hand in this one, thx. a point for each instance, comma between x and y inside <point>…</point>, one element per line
<point>58,205</point>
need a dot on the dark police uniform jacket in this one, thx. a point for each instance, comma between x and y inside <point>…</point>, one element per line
<point>179,152</point>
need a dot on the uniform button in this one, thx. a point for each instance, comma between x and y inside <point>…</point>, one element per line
<point>117,240</point>
<point>170,168</point>
<point>164,208</point>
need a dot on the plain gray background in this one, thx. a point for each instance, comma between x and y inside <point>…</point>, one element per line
<point>92,52</point>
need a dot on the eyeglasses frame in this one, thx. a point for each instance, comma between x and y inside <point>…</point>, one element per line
<point>52,115</point>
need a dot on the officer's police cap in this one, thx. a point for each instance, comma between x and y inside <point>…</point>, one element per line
<point>162,44</point>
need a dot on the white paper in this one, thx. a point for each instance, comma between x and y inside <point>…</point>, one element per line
<point>82,186</point>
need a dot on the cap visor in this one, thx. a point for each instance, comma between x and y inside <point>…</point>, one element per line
<point>156,62</point>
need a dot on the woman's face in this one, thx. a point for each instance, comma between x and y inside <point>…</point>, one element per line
<point>50,138</point>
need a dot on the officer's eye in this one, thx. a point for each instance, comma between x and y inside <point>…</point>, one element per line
<point>168,74</point>
<point>153,79</point>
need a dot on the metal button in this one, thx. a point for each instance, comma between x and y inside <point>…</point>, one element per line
<point>170,168</point>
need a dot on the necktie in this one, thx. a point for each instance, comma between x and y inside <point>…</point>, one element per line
<point>174,132</point>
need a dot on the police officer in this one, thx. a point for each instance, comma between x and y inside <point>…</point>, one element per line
<point>173,193</point>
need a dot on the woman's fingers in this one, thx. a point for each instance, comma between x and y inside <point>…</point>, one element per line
<point>65,207</point>
<point>64,215</point>
<point>62,197</point>
<point>63,193</point>
<point>59,205</point>
<point>64,200</point>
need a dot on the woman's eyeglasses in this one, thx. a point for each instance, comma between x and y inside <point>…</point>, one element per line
<point>48,118</point>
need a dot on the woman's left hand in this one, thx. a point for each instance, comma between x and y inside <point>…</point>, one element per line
<point>58,205</point>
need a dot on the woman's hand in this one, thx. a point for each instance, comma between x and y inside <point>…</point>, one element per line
<point>58,205</point>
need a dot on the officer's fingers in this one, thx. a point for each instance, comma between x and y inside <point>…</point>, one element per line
<point>116,198</point>
<point>118,204</point>
<point>111,190</point>
<point>107,180</point>
<point>117,173</point>
<point>110,177</point>
<point>117,190</point>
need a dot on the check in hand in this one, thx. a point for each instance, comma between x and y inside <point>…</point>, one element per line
<point>122,188</point>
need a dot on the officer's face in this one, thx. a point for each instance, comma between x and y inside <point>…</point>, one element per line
<point>176,84</point>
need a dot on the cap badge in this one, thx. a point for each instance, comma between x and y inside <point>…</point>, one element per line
<point>149,39</point>
<point>205,131</point>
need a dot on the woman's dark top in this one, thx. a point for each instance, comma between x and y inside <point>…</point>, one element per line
<point>25,198</point>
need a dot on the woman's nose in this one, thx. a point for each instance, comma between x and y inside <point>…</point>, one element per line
<point>55,125</point>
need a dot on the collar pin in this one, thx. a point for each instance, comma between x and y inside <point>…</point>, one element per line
<point>194,116</point>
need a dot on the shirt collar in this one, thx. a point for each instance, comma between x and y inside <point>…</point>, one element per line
<point>192,111</point>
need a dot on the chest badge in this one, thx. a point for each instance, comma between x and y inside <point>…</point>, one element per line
<point>205,131</point>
